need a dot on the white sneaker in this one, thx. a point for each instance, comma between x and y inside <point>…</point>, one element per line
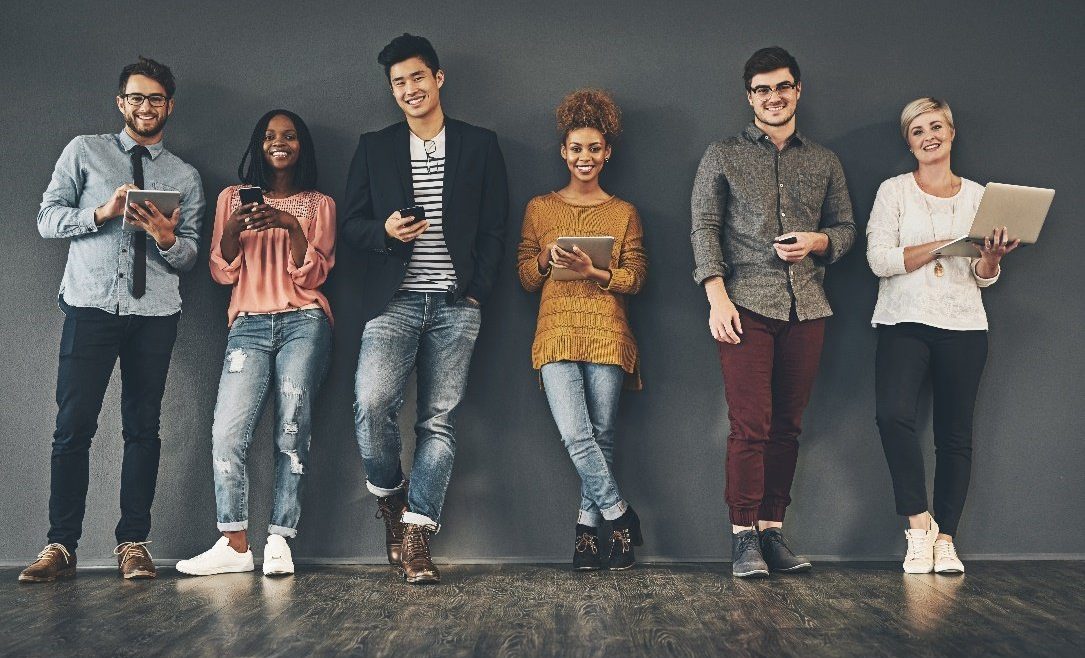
<point>945,558</point>
<point>920,557</point>
<point>277,558</point>
<point>220,558</point>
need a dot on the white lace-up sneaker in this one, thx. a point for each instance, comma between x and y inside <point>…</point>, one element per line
<point>220,558</point>
<point>277,558</point>
<point>920,557</point>
<point>945,558</point>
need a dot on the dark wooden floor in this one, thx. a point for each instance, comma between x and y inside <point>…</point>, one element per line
<point>998,608</point>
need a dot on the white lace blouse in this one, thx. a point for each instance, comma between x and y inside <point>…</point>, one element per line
<point>903,216</point>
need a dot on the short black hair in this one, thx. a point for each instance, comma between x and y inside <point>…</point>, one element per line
<point>405,47</point>
<point>160,73</point>
<point>769,59</point>
<point>253,169</point>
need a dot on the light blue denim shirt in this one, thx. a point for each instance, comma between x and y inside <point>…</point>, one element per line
<point>100,257</point>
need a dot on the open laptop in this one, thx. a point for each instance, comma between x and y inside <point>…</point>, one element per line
<point>1020,209</point>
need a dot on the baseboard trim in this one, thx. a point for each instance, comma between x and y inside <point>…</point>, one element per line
<point>647,559</point>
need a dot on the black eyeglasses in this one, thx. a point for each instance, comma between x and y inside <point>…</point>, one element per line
<point>431,161</point>
<point>764,92</point>
<point>135,100</point>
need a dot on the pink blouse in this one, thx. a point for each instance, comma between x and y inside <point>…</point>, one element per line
<point>263,275</point>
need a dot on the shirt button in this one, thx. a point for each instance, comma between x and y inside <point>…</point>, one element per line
<point>120,275</point>
<point>124,251</point>
<point>781,185</point>
<point>783,214</point>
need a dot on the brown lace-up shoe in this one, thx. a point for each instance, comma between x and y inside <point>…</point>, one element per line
<point>53,562</point>
<point>391,509</point>
<point>417,567</point>
<point>134,561</point>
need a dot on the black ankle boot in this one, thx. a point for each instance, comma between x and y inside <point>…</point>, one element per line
<point>625,534</point>
<point>586,555</point>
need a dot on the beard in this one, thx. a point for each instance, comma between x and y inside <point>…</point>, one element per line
<point>782,121</point>
<point>130,121</point>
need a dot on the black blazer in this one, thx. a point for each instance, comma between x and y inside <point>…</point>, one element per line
<point>475,208</point>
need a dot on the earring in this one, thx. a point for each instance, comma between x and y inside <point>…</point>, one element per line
<point>606,159</point>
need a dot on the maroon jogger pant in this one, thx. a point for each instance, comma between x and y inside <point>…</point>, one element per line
<point>767,380</point>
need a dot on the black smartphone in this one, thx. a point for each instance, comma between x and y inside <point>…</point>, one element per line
<point>418,212</point>
<point>250,195</point>
<point>791,239</point>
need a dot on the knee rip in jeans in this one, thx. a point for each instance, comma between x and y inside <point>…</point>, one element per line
<point>296,467</point>
<point>237,360</point>
<point>291,388</point>
<point>223,465</point>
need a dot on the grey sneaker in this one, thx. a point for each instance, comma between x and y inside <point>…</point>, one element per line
<point>746,560</point>
<point>778,555</point>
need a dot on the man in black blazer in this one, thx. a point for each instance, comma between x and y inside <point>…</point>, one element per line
<point>426,205</point>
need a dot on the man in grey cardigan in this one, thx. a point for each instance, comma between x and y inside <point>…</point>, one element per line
<point>770,210</point>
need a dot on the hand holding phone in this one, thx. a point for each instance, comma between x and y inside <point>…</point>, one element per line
<point>406,224</point>
<point>791,239</point>
<point>251,195</point>
<point>418,213</point>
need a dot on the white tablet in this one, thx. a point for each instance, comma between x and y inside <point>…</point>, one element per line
<point>1020,209</point>
<point>597,247</point>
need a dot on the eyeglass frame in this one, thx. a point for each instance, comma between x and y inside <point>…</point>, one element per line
<point>146,97</point>
<point>431,161</point>
<point>765,92</point>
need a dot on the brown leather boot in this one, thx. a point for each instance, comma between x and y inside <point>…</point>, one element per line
<point>417,567</point>
<point>53,562</point>
<point>134,561</point>
<point>391,509</point>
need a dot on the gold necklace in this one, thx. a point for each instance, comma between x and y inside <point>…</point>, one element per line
<point>939,270</point>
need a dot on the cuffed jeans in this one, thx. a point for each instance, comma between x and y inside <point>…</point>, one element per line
<point>767,378</point>
<point>90,344</point>
<point>416,329</point>
<point>907,353</point>
<point>583,399</point>
<point>286,354</point>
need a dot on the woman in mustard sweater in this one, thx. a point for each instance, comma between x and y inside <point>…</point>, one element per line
<point>583,346</point>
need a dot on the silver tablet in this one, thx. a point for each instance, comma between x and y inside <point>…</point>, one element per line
<point>597,247</point>
<point>165,200</point>
<point>1020,209</point>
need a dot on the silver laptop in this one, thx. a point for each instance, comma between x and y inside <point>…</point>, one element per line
<point>1020,209</point>
<point>597,247</point>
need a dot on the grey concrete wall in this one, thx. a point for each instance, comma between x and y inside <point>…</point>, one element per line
<point>1010,70</point>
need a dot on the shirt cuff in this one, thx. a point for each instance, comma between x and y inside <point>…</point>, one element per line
<point>703,272</point>
<point>307,263</point>
<point>980,281</point>
<point>85,217</point>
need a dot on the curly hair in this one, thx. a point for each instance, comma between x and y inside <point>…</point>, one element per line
<point>590,108</point>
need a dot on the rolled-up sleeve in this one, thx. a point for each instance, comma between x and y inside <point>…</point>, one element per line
<point>883,250</point>
<point>527,252</point>
<point>837,216</point>
<point>181,256</point>
<point>226,273</point>
<point>628,277</point>
<point>320,254</point>
<point>59,215</point>
<point>708,202</point>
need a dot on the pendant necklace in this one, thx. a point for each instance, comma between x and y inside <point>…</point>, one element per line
<point>939,269</point>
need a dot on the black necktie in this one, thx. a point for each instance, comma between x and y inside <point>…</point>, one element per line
<point>139,239</point>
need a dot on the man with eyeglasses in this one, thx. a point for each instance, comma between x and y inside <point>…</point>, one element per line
<point>770,209</point>
<point>121,300</point>
<point>424,283</point>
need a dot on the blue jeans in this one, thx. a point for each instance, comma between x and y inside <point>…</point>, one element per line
<point>423,329</point>
<point>287,353</point>
<point>583,399</point>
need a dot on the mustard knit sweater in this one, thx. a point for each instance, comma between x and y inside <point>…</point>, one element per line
<point>580,320</point>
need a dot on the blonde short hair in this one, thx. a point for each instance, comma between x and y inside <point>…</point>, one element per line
<point>922,106</point>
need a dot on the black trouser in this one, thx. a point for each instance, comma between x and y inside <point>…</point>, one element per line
<point>91,342</point>
<point>907,352</point>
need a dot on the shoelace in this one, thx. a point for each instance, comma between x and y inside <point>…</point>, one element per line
<point>417,542</point>
<point>126,549</point>
<point>586,542</point>
<point>919,548</point>
<point>54,547</point>
<point>749,541</point>
<point>944,550</point>
<point>622,537</point>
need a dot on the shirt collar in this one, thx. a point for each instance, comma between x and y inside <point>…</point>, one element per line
<point>127,143</point>
<point>755,134</point>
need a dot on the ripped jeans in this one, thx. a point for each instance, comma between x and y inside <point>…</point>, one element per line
<point>287,355</point>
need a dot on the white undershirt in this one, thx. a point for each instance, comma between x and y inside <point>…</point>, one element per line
<point>430,268</point>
